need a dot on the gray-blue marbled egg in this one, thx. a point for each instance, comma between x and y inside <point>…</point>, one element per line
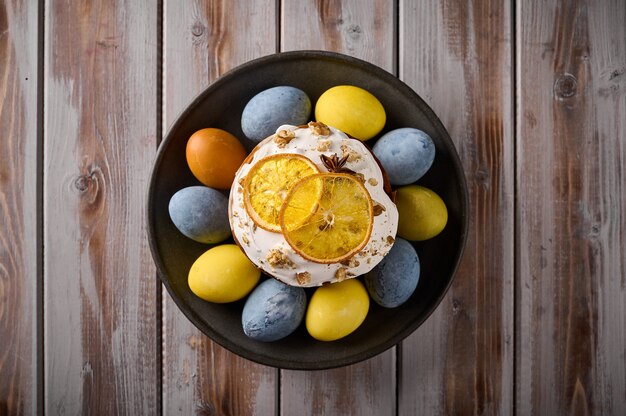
<point>271,108</point>
<point>394,279</point>
<point>406,154</point>
<point>200,213</point>
<point>273,311</point>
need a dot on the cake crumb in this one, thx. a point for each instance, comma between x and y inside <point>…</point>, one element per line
<point>352,154</point>
<point>390,239</point>
<point>319,128</point>
<point>283,137</point>
<point>241,181</point>
<point>276,258</point>
<point>372,181</point>
<point>359,177</point>
<point>239,190</point>
<point>323,145</point>
<point>341,274</point>
<point>244,238</point>
<point>303,278</point>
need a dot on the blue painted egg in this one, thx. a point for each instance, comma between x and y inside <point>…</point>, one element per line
<point>394,279</point>
<point>406,154</point>
<point>273,311</point>
<point>271,108</point>
<point>200,213</point>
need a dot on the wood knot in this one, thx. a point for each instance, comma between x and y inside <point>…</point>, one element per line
<point>565,86</point>
<point>456,306</point>
<point>354,31</point>
<point>83,182</point>
<point>89,186</point>
<point>197,29</point>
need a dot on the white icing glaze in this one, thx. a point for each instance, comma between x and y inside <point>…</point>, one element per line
<point>257,242</point>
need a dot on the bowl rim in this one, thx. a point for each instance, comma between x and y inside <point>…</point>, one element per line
<point>324,363</point>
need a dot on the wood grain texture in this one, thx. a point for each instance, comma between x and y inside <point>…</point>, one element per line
<point>571,68</point>
<point>99,139</point>
<point>457,56</point>
<point>18,215</point>
<point>203,39</point>
<point>363,29</point>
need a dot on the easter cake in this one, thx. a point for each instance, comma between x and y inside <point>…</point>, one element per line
<point>311,205</point>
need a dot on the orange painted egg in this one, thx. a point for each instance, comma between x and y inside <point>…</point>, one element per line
<point>214,155</point>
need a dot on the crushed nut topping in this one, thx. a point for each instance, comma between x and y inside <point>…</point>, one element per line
<point>341,274</point>
<point>276,258</point>
<point>283,137</point>
<point>319,128</point>
<point>372,181</point>
<point>303,278</point>
<point>352,262</point>
<point>352,154</point>
<point>378,209</point>
<point>323,145</point>
<point>390,239</point>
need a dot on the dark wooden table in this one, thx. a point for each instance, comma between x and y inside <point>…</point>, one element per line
<point>534,96</point>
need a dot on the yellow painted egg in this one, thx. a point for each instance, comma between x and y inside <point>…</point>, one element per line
<point>337,310</point>
<point>223,274</point>
<point>352,110</point>
<point>422,213</point>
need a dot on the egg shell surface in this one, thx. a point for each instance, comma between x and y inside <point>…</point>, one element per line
<point>200,213</point>
<point>336,310</point>
<point>392,282</point>
<point>270,108</point>
<point>223,274</point>
<point>273,311</point>
<point>351,109</point>
<point>213,156</point>
<point>406,154</point>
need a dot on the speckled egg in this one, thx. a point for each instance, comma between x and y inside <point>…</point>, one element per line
<point>273,311</point>
<point>271,108</point>
<point>406,154</point>
<point>201,214</point>
<point>394,279</point>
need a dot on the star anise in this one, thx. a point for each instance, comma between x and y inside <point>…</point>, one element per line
<point>336,165</point>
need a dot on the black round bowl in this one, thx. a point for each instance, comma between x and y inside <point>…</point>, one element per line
<point>220,105</point>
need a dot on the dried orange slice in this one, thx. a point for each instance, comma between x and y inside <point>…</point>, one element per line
<point>332,227</point>
<point>268,183</point>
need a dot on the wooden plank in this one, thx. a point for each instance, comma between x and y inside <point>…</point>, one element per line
<point>203,39</point>
<point>18,209</point>
<point>364,29</point>
<point>99,139</point>
<point>458,58</point>
<point>571,68</point>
